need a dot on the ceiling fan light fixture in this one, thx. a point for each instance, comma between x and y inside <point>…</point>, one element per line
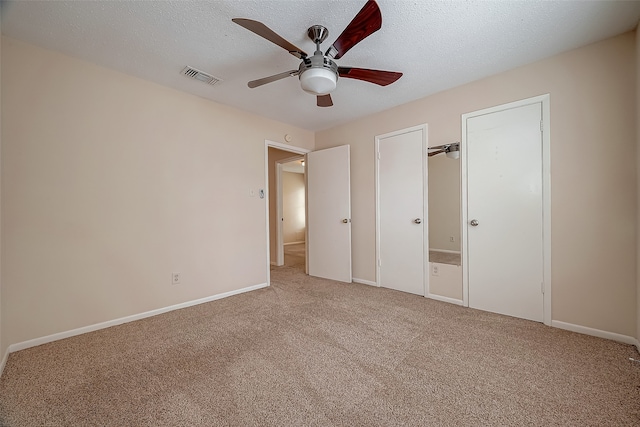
<point>453,151</point>
<point>318,81</point>
<point>453,154</point>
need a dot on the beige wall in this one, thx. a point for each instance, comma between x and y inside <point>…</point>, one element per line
<point>293,226</point>
<point>638,181</point>
<point>3,344</point>
<point>593,192</point>
<point>110,183</point>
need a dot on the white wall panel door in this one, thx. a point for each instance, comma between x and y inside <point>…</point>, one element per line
<point>329,214</point>
<point>505,212</point>
<point>402,211</point>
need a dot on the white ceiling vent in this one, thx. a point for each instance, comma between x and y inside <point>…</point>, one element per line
<point>200,75</point>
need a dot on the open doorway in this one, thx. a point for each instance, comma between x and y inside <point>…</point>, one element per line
<point>286,206</point>
<point>291,209</point>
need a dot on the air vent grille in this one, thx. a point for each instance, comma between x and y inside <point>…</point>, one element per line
<point>200,75</point>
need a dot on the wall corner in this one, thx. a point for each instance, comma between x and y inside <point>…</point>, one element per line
<point>637,112</point>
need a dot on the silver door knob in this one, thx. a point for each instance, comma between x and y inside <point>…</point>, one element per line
<point>346,221</point>
<point>474,223</point>
<point>417,221</point>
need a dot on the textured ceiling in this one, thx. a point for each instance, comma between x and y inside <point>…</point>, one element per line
<point>436,44</point>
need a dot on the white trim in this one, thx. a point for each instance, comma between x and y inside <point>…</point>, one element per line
<point>463,212</point>
<point>425,207</point>
<point>293,243</point>
<point>62,335</point>
<point>445,251</point>
<point>546,195</point>
<point>279,215</point>
<point>546,204</point>
<point>4,361</point>
<point>595,332</point>
<point>281,146</point>
<point>424,128</point>
<point>364,282</point>
<point>446,299</point>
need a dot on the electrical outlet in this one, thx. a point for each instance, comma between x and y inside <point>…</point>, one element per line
<point>452,239</point>
<point>175,278</point>
<point>435,270</point>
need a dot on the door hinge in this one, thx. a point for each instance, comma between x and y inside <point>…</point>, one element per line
<point>378,155</point>
<point>541,126</point>
<point>542,287</point>
<point>379,263</point>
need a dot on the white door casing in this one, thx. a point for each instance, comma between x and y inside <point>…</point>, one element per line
<point>505,191</point>
<point>329,214</point>
<point>401,210</point>
<point>279,209</point>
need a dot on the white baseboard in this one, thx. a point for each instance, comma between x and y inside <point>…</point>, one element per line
<point>62,335</point>
<point>4,361</point>
<point>446,251</point>
<point>445,299</point>
<point>292,243</point>
<point>364,282</point>
<point>596,333</point>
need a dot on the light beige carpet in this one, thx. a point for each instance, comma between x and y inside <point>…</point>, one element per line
<point>294,256</point>
<point>308,352</point>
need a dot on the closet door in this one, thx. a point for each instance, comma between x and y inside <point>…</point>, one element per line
<point>402,222</point>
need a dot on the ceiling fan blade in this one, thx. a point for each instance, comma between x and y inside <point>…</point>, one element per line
<point>324,101</point>
<point>365,23</point>
<point>263,31</point>
<point>263,81</point>
<point>379,77</point>
<point>436,152</point>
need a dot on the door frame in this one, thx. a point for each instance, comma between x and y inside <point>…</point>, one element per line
<point>546,196</point>
<point>425,205</point>
<point>294,151</point>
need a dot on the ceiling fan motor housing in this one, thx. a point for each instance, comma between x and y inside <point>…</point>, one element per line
<point>318,74</point>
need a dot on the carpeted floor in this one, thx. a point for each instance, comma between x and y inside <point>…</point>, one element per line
<point>294,256</point>
<point>312,352</point>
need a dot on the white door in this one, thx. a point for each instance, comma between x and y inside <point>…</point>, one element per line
<point>505,212</point>
<point>402,221</point>
<point>329,214</point>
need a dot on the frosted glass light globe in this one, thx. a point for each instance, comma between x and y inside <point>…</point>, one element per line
<point>318,81</point>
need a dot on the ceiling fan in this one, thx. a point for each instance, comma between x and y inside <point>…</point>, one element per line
<point>452,150</point>
<point>319,73</point>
